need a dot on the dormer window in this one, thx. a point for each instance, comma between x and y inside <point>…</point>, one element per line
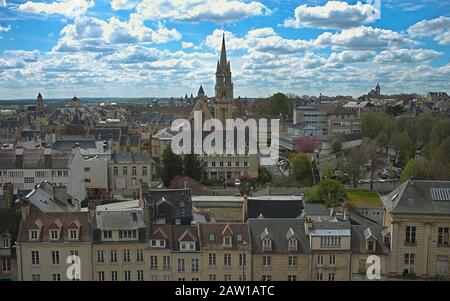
<point>239,237</point>
<point>34,235</point>
<point>158,243</point>
<point>107,235</point>
<point>6,243</point>
<point>267,244</point>
<point>293,244</point>
<point>212,237</point>
<point>187,246</point>
<point>371,246</point>
<point>73,234</point>
<point>54,234</point>
<point>227,241</point>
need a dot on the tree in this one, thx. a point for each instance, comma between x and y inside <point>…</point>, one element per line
<point>418,169</point>
<point>328,192</point>
<point>193,167</point>
<point>336,144</point>
<point>403,146</point>
<point>440,161</point>
<point>172,166</point>
<point>375,158</point>
<point>373,123</point>
<point>305,145</point>
<point>279,104</point>
<point>301,166</point>
<point>352,163</point>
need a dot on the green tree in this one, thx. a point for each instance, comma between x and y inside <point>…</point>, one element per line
<point>418,169</point>
<point>301,166</point>
<point>401,142</point>
<point>372,150</point>
<point>279,104</point>
<point>328,192</point>
<point>440,132</point>
<point>440,161</point>
<point>353,163</point>
<point>193,167</point>
<point>172,166</point>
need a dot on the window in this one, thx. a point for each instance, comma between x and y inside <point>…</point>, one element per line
<point>127,234</point>
<point>319,259</point>
<point>267,278</point>
<point>242,259</point>
<point>153,262</point>
<point>187,246</point>
<point>87,180</point>
<point>227,277</point>
<point>140,275</point>
<point>113,275</point>
<point>33,235</point>
<point>87,169</point>
<point>124,171</point>
<point>127,275</point>
<point>139,255</point>
<point>292,261</point>
<point>144,170</point>
<point>101,276</point>
<point>227,259</point>
<point>211,237</point>
<point>443,236</point>
<point>126,255</point>
<point>239,237</point>
<point>330,242</point>
<point>267,244</point>
<point>154,278</point>
<point>56,277</point>
<point>371,245</point>
<point>212,277</point>
<point>73,234</point>
<point>292,244</point>
<point>100,256</point>
<point>36,277</point>
<point>181,265</point>
<point>331,276</point>
<point>227,241</point>
<point>113,256</point>
<point>28,180</point>
<point>410,235</point>
<point>133,171</point>
<point>55,257</point>
<point>107,235</point>
<point>5,243</point>
<point>319,276</point>
<point>292,277</point>
<point>166,262</point>
<point>54,234</point>
<point>35,257</point>
<point>194,265</point>
<point>409,264</point>
<point>158,243</point>
<point>212,258</point>
<point>332,259</point>
<point>116,171</point>
<point>229,163</point>
<point>6,264</point>
<point>267,261</point>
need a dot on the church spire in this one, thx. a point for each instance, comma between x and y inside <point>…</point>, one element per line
<point>223,54</point>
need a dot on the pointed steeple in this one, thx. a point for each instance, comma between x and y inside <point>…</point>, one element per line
<point>223,54</point>
<point>201,92</point>
<point>39,96</point>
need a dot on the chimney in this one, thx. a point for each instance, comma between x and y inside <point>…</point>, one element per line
<point>60,193</point>
<point>24,208</point>
<point>245,208</point>
<point>8,195</point>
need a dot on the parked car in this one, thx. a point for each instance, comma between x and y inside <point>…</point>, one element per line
<point>237,182</point>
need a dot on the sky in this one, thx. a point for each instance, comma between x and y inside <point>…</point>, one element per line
<point>168,48</point>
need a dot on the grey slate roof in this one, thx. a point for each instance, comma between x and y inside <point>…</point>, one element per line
<point>119,220</point>
<point>125,157</point>
<point>417,197</point>
<point>315,209</point>
<point>43,198</point>
<point>278,228</point>
<point>34,159</point>
<point>132,139</point>
<point>358,240</point>
<point>106,133</point>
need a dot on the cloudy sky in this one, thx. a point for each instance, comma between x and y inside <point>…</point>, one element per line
<point>143,48</point>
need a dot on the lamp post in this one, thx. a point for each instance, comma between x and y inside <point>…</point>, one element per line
<point>244,260</point>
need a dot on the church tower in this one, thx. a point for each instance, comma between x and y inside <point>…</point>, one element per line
<point>40,105</point>
<point>378,90</point>
<point>223,101</point>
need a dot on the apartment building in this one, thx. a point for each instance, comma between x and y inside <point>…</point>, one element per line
<point>9,227</point>
<point>417,215</point>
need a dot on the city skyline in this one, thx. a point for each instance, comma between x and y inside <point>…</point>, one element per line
<point>142,49</point>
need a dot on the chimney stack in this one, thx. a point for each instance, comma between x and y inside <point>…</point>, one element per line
<point>60,193</point>
<point>245,208</point>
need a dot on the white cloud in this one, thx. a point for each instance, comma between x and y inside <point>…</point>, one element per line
<point>5,28</point>
<point>95,35</point>
<point>438,28</point>
<point>123,4</point>
<point>363,38</point>
<point>3,3</point>
<point>406,55</point>
<point>186,45</point>
<point>219,11</point>
<point>334,15</point>
<point>67,8</point>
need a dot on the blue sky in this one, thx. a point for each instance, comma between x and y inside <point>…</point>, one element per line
<point>143,48</point>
